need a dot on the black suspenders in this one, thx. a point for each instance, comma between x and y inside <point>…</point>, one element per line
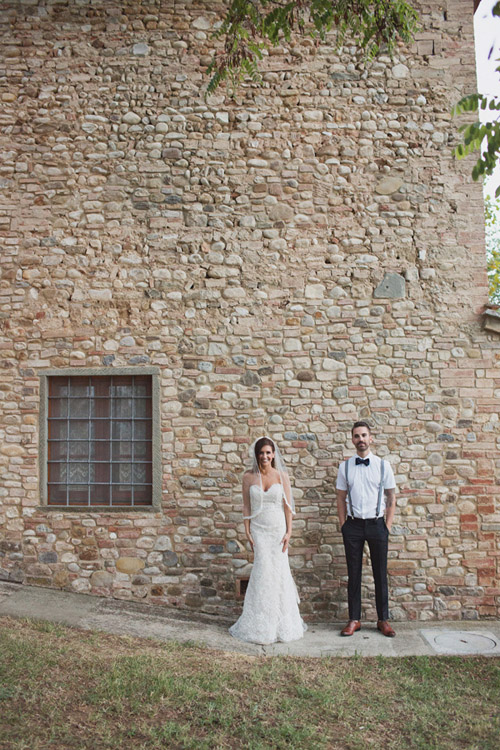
<point>349,499</point>
<point>380,488</point>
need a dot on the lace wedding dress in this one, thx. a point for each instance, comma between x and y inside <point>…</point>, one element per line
<point>270,611</point>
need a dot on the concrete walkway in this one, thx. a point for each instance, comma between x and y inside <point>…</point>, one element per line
<point>142,620</point>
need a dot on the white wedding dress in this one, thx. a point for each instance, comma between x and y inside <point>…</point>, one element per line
<point>270,610</point>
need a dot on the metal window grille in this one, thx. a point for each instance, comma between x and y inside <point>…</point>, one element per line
<point>100,440</point>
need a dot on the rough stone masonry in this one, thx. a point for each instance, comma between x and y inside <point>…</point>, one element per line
<point>287,259</point>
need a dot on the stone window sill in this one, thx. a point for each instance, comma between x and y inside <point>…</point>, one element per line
<point>101,509</point>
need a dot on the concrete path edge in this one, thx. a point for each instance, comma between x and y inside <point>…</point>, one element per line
<point>321,640</point>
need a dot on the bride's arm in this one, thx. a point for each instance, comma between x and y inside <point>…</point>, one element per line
<point>287,490</point>
<point>247,508</point>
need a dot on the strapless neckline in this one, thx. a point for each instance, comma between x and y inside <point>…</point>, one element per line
<point>270,488</point>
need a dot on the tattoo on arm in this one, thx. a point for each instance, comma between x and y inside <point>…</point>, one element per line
<point>390,498</point>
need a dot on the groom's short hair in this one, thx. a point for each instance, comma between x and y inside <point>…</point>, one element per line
<point>361,423</point>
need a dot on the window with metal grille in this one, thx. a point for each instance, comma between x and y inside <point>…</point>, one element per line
<point>99,440</point>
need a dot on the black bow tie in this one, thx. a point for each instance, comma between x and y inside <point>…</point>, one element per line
<point>365,461</point>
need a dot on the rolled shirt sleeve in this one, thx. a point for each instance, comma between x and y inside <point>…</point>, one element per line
<point>341,482</point>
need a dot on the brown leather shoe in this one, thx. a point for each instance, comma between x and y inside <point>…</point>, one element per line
<point>385,628</point>
<point>351,627</point>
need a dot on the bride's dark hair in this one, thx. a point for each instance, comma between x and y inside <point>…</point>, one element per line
<point>260,444</point>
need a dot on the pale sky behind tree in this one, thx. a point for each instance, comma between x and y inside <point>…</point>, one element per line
<point>487,37</point>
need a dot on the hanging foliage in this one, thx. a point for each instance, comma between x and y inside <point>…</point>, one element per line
<point>480,136</point>
<point>252,26</point>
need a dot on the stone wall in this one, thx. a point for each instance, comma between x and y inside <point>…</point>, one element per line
<point>290,258</point>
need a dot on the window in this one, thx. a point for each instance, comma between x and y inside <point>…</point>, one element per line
<point>99,439</point>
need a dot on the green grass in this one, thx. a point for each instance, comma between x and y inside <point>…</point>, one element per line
<point>66,689</point>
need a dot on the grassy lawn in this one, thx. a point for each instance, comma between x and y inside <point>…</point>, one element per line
<point>66,689</point>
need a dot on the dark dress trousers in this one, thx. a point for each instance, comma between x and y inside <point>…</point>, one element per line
<point>355,532</point>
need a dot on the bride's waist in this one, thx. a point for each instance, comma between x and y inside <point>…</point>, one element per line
<point>276,507</point>
<point>265,514</point>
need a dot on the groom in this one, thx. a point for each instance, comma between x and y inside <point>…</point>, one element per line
<point>365,492</point>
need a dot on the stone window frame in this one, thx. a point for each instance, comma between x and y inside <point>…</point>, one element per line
<point>44,375</point>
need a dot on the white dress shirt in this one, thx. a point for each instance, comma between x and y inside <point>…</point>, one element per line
<point>364,483</point>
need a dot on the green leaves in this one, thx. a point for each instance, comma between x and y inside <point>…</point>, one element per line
<point>479,136</point>
<point>251,26</point>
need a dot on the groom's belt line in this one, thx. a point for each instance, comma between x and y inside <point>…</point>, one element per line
<point>362,520</point>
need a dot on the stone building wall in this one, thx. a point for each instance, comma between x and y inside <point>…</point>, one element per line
<point>290,259</point>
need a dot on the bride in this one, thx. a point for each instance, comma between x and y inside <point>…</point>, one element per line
<point>270,610</point>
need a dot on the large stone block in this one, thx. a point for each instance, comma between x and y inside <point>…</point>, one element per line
<point>389,185</point>
<point>392,286</point>
<point>129,565</point>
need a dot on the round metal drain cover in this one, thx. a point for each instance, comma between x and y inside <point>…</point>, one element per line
<point>460,642</point>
